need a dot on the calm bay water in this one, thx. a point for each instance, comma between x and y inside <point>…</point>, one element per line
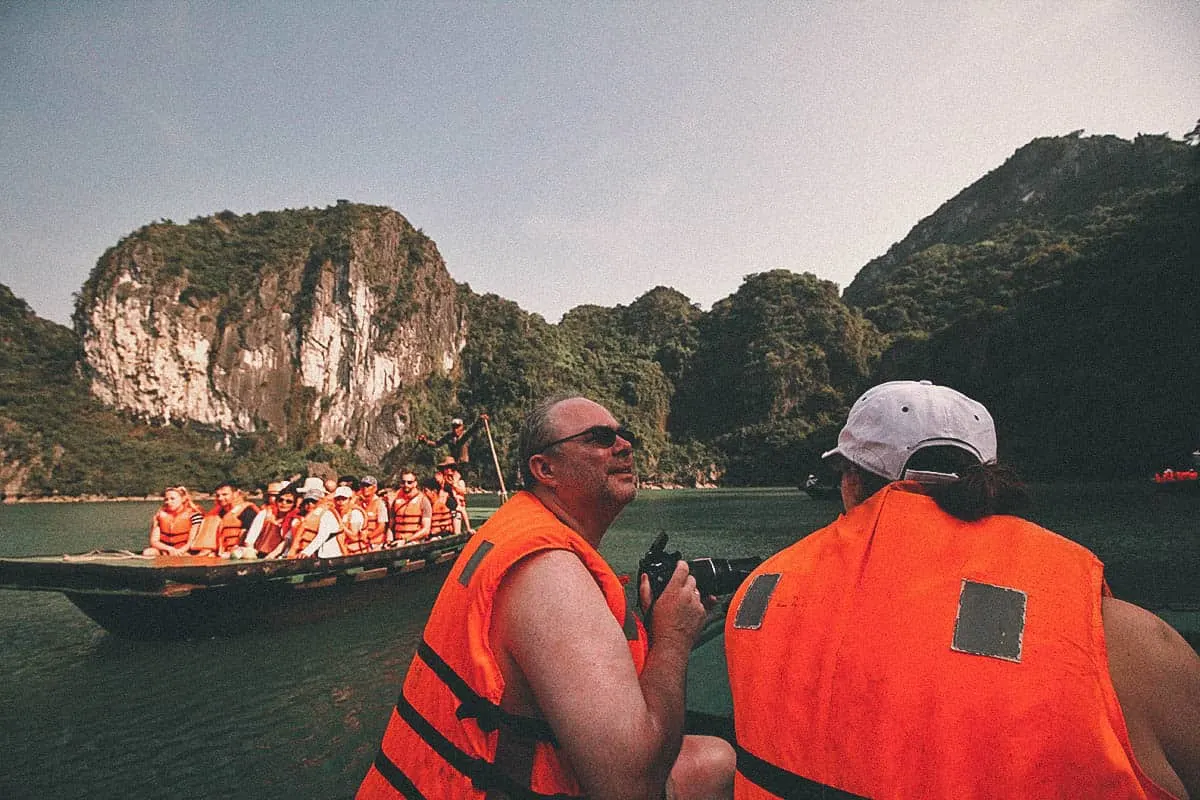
<point>298,712</point>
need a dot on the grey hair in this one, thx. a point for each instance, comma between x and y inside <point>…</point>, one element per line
<point>536,431</point>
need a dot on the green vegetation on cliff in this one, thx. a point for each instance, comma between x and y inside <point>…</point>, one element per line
<point>1059,289</point>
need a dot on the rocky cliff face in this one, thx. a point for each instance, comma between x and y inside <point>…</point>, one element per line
<point>313,325</point>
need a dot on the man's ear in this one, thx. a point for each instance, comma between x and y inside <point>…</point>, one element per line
<point>541,468</point>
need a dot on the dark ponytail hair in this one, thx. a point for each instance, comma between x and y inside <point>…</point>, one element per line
<point>980,490</point>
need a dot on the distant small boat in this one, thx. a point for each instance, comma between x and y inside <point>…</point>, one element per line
<point>172,597</point>
<point>820,491</point>
<point>1177,479</point>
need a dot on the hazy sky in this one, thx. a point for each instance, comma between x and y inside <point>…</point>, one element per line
<point>559,153</point>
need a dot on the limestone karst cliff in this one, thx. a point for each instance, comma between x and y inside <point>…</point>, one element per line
<point>315,325</point>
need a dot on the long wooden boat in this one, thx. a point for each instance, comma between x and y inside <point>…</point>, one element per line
<point>171,597</point>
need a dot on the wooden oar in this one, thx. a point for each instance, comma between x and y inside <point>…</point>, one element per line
<point>495,460</point>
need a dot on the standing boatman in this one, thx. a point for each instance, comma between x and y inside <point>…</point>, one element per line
<point>457,440</point>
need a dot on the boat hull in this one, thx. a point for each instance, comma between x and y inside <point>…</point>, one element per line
<point>178,598</point>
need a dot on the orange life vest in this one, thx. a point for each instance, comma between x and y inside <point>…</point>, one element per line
<point>206,537</point>
<point>448,737</point>
<point>231,531</point>
<point>375,526</point>
<point>269,536</point>
<point>406,515</point>
<point>306,529</point>
<point>352,542</point>
<point>916,655</point>
<point>442,522</point>
<point>174,529</point>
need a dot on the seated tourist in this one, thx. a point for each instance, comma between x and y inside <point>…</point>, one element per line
<point>338,529</point>
<point>411,511</point>
<point>174,524</point>
<point>264,534</point>
<point>288,504</point>
<point>454,491</point>
<point>311,511</point>
<point>441,520</point>
<point>375,512</point>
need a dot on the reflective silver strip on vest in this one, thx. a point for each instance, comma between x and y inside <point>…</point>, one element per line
<point>990,622</point>
<point>754,602</point>
<point>473,563</point>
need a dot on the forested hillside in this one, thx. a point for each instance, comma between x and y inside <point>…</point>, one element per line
<point>1060,289</point>
<point>1096,373</point>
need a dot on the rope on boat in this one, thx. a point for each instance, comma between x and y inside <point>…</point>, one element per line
<point>105,555</point>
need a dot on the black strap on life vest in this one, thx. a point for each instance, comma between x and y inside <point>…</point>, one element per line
<point>783,783</point>
<point>396,777</point>
<point>485,776</point>
<point>472,706</point>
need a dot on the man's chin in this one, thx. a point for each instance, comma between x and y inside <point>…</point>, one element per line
<point>624,486</point>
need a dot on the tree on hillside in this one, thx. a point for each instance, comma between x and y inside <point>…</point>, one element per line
<point>779,358</point>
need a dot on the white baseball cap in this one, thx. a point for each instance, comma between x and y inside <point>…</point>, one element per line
<point>344,492</point>
<point>893,420</point>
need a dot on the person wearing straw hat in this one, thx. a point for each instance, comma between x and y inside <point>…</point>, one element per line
<point>930,643</point>
<point>454,493</point>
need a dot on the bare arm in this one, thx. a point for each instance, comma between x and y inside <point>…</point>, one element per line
<point>426,522</point>
<point>156,535</point>
<point>566,659</point>
<point>1157,677</point>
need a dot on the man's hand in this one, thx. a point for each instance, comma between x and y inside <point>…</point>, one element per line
<point>679,612</point>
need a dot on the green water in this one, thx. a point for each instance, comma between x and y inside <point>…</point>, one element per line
<point>298,712</point>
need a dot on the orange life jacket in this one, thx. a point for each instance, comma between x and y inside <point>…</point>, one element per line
<point>406,515</point>
<point>916,655</point>
<point>307,529</point>
<point>442,522</point>
<point>231,531</point>
<point>206,537</point>
<point>448,737</point>
<point>174,529</point>
<point>375,526</point>
<point>269,536</point>
<point>353,542</point>
<point>288,527</point>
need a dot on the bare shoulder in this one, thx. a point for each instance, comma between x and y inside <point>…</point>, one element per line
<point>550,587</point>
<point>1137,634</point>
<point>552,623</point>
<point>1156,674</point>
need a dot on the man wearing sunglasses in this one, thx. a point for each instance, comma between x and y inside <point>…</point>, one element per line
<point>534,677</point>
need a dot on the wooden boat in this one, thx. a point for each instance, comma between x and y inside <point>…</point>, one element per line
<point>171,597</point>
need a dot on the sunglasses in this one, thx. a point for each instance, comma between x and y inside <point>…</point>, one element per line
<point>600,435</point>
<point>286,501</point>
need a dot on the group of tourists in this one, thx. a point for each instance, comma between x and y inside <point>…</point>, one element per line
<point>326,518</point>
<point>927,643</point>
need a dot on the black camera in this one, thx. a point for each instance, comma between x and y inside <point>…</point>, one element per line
<point>714,576</point>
